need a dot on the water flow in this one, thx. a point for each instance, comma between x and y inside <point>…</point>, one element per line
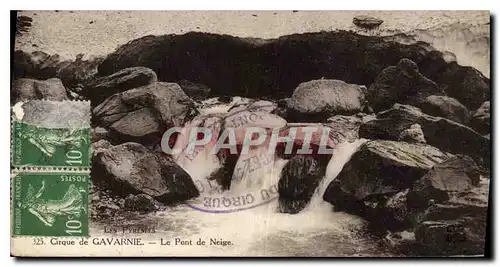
<point>262,230</point>
<point>341,156</point>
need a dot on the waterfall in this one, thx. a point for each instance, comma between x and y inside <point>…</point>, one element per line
<point>341,156</point>
<point>247,214</point>
<point>256,174</point>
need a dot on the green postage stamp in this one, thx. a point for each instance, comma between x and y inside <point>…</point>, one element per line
<point>51,134</point>
<point>50,204</point>
<point>51,151</point>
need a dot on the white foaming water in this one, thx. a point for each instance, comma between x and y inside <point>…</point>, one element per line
<point>261,230</point>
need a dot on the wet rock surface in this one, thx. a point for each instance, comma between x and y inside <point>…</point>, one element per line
<point>446,107</point>
<point>103,87</point>
<point>299,179</point>
<point>442,133</point>
<point>318,100</point>
<point>381,168</point>
<point>458,226</point>
<point>143,114</point>
<point>402,83</point>
<point>130,168</point>
<point>442,199</point>
<point>456,174</point>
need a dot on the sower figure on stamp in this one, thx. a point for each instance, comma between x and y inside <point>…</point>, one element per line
<point>46,211</point>
<point>48,140</point>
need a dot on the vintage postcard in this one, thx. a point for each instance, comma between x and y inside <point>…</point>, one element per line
<point>250,133</point>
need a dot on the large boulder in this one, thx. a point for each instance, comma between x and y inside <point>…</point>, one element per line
<point>143,114</point>
<point>130,168</point>
<point>446,107</point>
<point>480,120</point>
<point>458,226</point>
<point>442,133</point>
<point>466,84</point>
<point>402,83</point>
<point>320,99</point>
<point>453,181</point>
<point>299,179</point>
<point>254,67</point>
<point>30,89</point>
<point>141,124</point>
<point>456,174</point>
<point>378,170</point>
<point>123,80</point>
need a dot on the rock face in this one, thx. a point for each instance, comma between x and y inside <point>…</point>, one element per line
<point>130,168</point>
<point>253,67</point>
<point>442,133</point>
<point>468,85</point>
<point>345,127</point>
<point>30,89</point>
<point>480,120</point>
<point>446,107</point>
<point>143,114</point>
<point>123,80</point>
<point>457,227</point>
<point>196,91</point>
<point>380,169</point>
<point>299,179</point>
<point>402,83</point>
<point>320,99</point>
<point>367,22</point>
<point>391,213</point>
<point>414,134</point>
<point>458,237</point>
<point>456,174</point>
<point>40,65</point>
